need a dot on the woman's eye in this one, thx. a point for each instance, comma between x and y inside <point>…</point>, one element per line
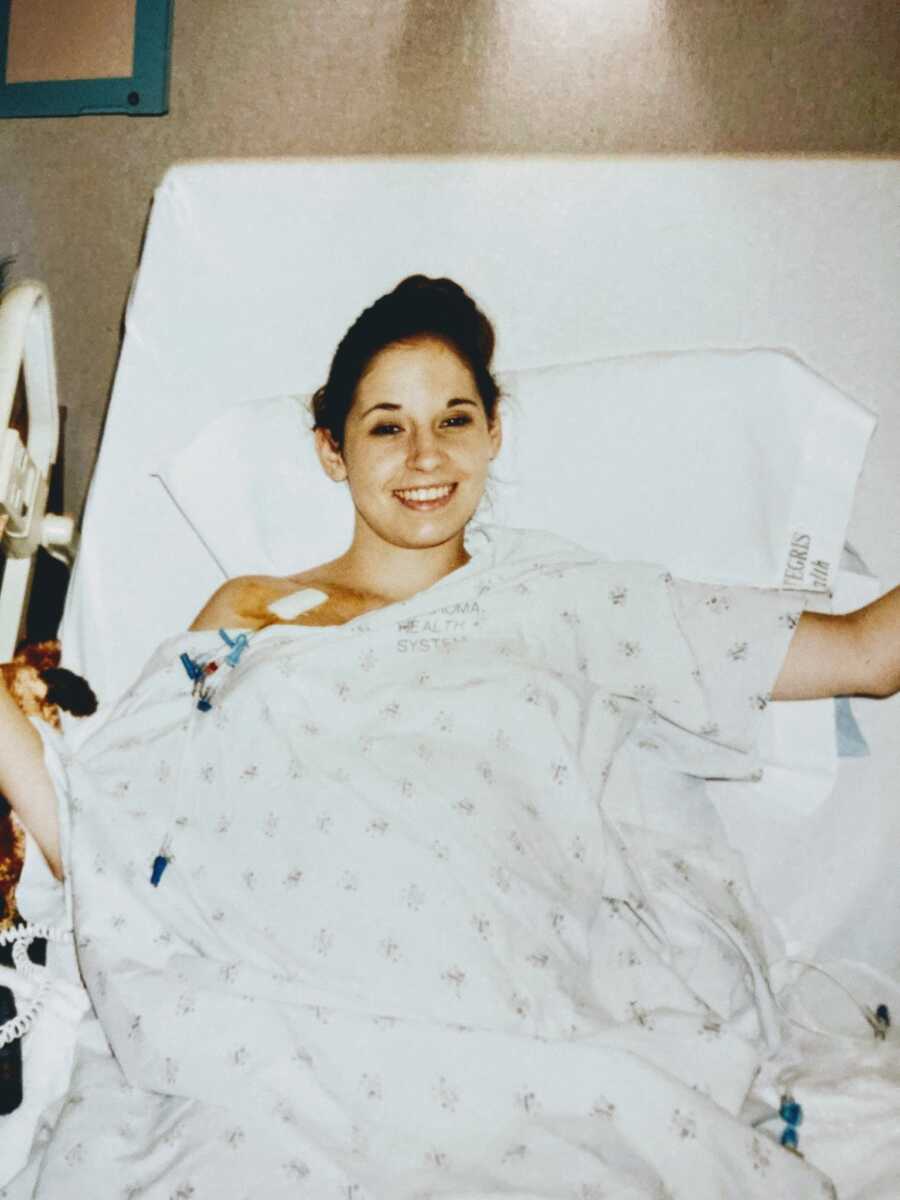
<point>383,430</point>
<point>458,420</point>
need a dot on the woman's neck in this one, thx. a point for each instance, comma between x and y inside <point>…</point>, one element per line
<point>395,573</point>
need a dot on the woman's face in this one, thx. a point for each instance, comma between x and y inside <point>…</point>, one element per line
<point>417,445</point>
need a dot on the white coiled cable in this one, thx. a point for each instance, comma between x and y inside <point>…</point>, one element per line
<point>21,937</point>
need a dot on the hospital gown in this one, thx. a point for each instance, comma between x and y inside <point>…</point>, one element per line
<point>430,925</point>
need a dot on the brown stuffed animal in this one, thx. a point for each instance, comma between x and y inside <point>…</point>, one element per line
<point>40,687</point>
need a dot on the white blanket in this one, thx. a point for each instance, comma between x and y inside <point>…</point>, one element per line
<point>399,950</point>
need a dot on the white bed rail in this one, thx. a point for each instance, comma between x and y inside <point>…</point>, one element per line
<point>27,355</point>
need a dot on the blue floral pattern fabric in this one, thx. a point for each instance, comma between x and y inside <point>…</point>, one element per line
<point>401,949</point>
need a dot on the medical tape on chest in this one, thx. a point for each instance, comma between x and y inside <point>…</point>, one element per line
<point>288,608</point>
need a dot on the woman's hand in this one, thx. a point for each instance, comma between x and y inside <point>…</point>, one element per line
<point>25,780</point>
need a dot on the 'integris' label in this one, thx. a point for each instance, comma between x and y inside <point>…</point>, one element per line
<point>801,571</point>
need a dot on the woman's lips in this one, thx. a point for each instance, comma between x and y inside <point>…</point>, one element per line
<point>426,499</point>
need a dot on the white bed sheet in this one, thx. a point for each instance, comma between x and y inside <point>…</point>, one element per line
<point>593,1010</point>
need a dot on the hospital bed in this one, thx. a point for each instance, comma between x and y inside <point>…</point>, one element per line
<point>645,296</point>
<point>252,271</point>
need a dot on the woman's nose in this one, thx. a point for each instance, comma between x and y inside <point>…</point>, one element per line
<point>424,451</point>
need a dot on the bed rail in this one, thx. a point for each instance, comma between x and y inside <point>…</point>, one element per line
<point>27,365</point>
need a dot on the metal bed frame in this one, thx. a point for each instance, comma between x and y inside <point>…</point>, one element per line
<point>27,366</point>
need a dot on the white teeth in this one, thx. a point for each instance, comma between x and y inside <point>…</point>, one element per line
<point>432,493</point>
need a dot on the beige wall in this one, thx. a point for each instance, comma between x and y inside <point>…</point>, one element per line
<point>256,78</point>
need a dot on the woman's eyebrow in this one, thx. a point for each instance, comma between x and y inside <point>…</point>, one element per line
<point>383,404</point>
<point>396,407</point>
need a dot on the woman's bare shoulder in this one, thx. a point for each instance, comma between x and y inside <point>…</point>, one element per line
<point>238,603</point>
<point>243,602</point>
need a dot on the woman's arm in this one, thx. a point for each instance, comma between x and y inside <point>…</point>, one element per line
<point>856,654</point>
<point>25,780</point>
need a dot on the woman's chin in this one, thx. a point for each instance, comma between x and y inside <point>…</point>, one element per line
<point>424,532</point>
<point>431,537</point>
<point>412,528</point>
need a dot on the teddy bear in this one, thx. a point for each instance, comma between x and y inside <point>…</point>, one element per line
<point>41,688</point>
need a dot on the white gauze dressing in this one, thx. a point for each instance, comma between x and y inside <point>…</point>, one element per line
<point>296,603</point>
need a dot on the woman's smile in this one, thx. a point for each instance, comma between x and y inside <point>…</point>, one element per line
<point>426,499</point>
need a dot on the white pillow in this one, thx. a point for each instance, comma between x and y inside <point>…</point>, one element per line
<point>251,487</point>
<point>727,466</point>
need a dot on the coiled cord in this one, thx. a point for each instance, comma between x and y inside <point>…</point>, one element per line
<point>21,937</point>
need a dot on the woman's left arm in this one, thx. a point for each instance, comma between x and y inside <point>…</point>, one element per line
<point>25,780</point>
<point>854,654</point>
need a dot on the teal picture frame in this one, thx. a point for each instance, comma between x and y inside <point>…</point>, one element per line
<point>143,93</point>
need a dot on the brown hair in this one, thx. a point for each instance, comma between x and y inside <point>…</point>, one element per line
<point>418,307</point>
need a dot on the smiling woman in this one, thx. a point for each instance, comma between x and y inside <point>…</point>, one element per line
<point>416,452</point>
<point>409,420</point>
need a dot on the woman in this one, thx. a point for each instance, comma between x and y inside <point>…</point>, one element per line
<point>421,356</point>
<point>391,943</point>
